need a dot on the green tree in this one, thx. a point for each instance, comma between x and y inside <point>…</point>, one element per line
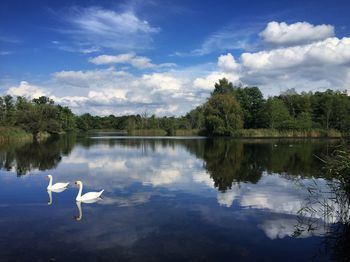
<point>223,87</point>
<point>39,118</point>
<point>253,107</point>
<point>2,111</point>
<point>279,115</point>
<point>223,115</point>
<point>304,121</point>
<point>196,117</point>
<point>9,111</point>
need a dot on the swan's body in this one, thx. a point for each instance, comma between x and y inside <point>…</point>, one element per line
<point>56,186</point>
<point>88,197</point>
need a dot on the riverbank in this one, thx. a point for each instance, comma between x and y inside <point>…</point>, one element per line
<point>11,134</point>
<point>16,134</point>
<point>273,133</point>
<point>242,133</point>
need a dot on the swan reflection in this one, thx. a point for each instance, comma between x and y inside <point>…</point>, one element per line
<point>80,210</point>
<point>49,192</point>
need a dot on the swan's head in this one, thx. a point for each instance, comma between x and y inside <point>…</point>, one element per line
<point>78,182</point>
<point>49,176</point>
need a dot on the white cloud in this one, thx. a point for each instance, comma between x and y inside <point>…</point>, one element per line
<point>297,33</point>
<point>332,51</point>
<point>27,90</point>
<point>90,78</point>
<point>313,67</point>
<point>161,81</point>
<point>227,62</point>
<point>98,27</point>
<point>208,81</point>
<point>227,68</point>
<point>140,62</point>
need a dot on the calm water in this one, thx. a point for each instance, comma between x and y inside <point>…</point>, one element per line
<point>165,199</point>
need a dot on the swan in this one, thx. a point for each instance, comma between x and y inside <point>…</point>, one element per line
<point>88,197</point>
<point>57,186</point>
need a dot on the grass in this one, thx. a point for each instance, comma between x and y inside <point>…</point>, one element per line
<point>147,132</point>
<point>10,134</point>
<point>187,132</point>
<point>274,133</point>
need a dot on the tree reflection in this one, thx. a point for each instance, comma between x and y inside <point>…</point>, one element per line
<point>229,161</point>
<point>42,155</point>
<point>222,159</point>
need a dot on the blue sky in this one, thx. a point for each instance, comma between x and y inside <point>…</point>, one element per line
<point>163,57</point>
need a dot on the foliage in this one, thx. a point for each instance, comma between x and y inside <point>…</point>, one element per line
<point>223,115</point>
<point>253,107</point>
<point>38,115</point>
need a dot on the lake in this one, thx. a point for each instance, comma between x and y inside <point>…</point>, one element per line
<point>167,199</point>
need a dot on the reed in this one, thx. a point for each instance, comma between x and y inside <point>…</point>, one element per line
<point>10,134</point>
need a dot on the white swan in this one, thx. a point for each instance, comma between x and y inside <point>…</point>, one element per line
<point>88,197</point>
<point>57,186</point>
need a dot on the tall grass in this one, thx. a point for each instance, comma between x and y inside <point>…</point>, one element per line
<point>10,134</point>
<point>274,133</point>
<point>147,132</point>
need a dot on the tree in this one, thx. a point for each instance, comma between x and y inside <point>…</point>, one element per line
<point>223,115</point>
<point>304,121</point>
<point>279,115</point>
<point>253,107</point>
<point>2,111</point>
<point>196,117</point>
<point>223,87</point>
<point>9,111</point>
<point>39,118</point>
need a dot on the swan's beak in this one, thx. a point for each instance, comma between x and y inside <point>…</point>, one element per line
<point>75,182</point>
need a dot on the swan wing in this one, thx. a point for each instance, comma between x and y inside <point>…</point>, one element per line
<point>59,186</point>
<point>91,195</point>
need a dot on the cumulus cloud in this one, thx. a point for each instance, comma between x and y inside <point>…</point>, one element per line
<point>161,81</point>
<point>27,90</point>
<point>297,33</point>
<point>227,62</point>
<point>311,67</point>
<point>109,91</point>
<point>332,51</point>
<point>98,27</point>
<point>140,62</point>
<point>226,68</point>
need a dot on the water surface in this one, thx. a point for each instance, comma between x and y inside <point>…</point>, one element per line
<point>165,199</point>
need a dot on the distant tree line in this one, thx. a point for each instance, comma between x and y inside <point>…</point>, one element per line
<point>227,110</point>
<point>35,116</point>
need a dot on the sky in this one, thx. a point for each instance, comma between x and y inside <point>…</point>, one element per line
<point>163,57</point>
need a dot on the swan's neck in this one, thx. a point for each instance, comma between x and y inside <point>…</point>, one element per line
<point>50,182</point>
<point>80,190</point>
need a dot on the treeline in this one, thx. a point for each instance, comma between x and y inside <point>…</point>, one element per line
<point>227,110</point>
<point>36,116</point>
<point>230,108</point>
